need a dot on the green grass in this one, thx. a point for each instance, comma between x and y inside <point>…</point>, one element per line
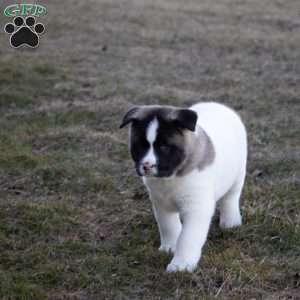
<point>25,83</point>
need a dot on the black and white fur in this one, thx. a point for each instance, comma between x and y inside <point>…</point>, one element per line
<point>189,159</point>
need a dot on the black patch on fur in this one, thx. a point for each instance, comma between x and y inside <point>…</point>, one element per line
<point>186,118</point>
<point>170,154</point>
<point>139,145</point>
<point>130,116</point>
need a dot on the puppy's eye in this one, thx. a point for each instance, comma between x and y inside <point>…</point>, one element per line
<point>164,148</point>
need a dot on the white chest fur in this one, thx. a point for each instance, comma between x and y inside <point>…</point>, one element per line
<point>177,193</point>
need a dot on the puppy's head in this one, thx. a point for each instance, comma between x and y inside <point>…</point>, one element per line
<point>158,137</point>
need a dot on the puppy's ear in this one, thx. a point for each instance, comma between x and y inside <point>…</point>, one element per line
<point>185,118</point>
<point>131,115</point>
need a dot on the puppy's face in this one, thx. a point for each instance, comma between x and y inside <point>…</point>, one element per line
<point>158,138</point>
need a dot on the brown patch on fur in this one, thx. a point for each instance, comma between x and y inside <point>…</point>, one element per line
<point>199,151</point>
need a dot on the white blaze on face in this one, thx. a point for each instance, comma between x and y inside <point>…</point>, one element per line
<point>151,134</point>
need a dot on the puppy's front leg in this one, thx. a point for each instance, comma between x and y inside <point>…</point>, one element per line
<point>196,221</point>
<point>169,228</point>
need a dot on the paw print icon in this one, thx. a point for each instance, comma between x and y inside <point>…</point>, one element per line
<point>24,32</point>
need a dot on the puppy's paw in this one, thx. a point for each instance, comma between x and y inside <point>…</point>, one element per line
<point>230,222</point>
<point>167,249</point>
<point>181,267</point>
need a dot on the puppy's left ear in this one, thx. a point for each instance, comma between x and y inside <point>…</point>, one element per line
<point>185,118</point>
<point>131,115</point>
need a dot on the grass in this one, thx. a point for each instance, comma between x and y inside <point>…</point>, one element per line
<point>75,220</point>
<point>19,83</point>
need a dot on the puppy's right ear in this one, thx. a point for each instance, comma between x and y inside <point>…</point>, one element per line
<point>130,116</point>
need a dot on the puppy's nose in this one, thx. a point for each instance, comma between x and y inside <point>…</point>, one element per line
<point>147,166</point>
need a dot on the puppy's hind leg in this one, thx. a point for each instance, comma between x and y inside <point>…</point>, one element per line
<point>230,215</point>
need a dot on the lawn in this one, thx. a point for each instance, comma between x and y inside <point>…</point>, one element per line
<point>75,220</point>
